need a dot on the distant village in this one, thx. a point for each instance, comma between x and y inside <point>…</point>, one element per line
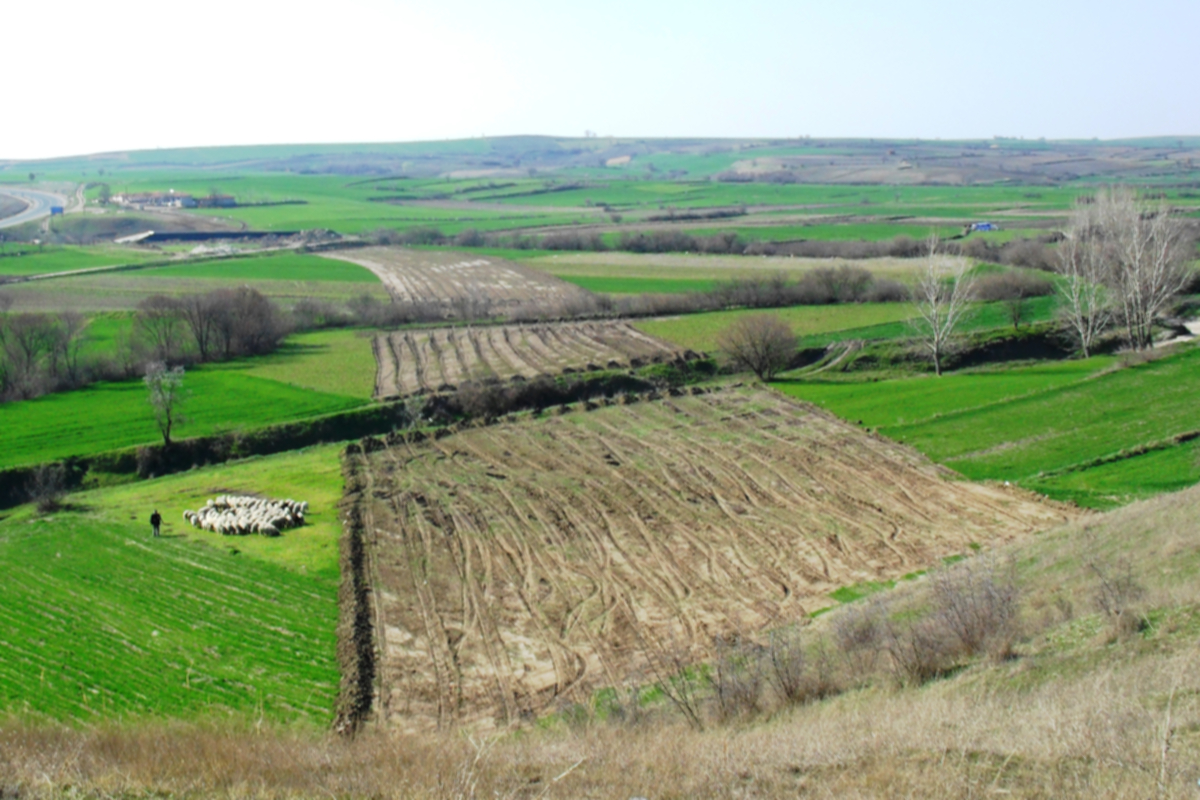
<point>173,199</point>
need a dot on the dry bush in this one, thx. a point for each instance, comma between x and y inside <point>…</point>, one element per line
<point>919,648</point>
<point>738,677</point>
<point>885,290</point>
<point>47,486</point>
<point>845,284</point>
<point>976,602</point>
<point>1116,594</point>
<point>1012,285</point>
<point>795,675</point>
<point>761,343</point>
<point>859,636</point>
<point>313,314</point>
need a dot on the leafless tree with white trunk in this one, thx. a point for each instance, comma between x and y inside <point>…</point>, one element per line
<point>166,397</point>
<point>1086,308</point>
<point>943,301</point>
<point>1146,254</point>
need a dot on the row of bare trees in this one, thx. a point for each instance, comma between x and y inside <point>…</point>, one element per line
<point>222,324</point>
<point>1122,263</point>
<point>42,353</point>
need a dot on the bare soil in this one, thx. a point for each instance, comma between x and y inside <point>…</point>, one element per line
<point>417,276</point>
<point>414,361</point>
<point>519,567</point>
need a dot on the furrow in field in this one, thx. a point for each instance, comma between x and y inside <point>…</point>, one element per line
<point>534,562</point>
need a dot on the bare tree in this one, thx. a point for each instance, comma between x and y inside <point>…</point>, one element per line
<point>200,312</point>
<point>761,343</point>
<point>1086,306</point>
<point>27,340</point>
<point>67,347</point>
<point>166,397</point>
<point>943,301</point>
<point>1148,259</point>
<point>160,320</point>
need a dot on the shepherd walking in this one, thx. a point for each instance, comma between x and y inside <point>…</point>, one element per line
<point>156,521</point>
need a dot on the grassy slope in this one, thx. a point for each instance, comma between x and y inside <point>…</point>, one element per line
<point>99,620</point>
<point>1018,423</point>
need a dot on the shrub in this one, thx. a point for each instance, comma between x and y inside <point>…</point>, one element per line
<point>1012,285</point>
<point>858,635</point>
<point>47,486</point>
<point>737,678</point>
<point>761,343</point>
<point>976,602</point>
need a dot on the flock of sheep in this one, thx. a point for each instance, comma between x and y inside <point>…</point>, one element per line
<point>235,515</point>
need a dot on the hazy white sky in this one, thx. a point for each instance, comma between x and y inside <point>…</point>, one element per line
<point>83,76</point>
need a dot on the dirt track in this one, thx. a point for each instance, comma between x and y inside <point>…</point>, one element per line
<point>417,276</point>
<point>425,360</point>
<point>525,565</point>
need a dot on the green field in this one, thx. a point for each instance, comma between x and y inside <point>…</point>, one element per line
<point>700,331</point>
<point>273,267</point>
<point>99,621</point>
<point>613,285</point>
<point>42,260</point>
<point>110,416</point>
<point>338,362</point>
<point>1020,424</point>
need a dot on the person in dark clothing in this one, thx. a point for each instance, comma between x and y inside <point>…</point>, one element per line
<point>155,521</point>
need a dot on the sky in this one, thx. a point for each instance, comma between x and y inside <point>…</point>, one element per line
<point>84,76</point>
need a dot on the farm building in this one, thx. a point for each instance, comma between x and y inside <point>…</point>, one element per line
<point>170,199</point>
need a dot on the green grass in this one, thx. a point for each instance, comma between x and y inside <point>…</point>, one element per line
<point>1119,482</point>
<point>110,416</point>
<point>1018,424</point>
<point>39,261</point>
<point>276,267</point>
<point>606,285</point>
<point>700,331</point>
<point>337,362</point>
<point>889,404</point>
<point>99,621</point>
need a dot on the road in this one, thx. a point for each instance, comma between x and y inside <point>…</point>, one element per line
<point>39,205</point>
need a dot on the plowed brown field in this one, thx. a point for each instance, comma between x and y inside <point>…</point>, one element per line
<point>418,276</point>
<point>529,563</point>
<point>424,360</point>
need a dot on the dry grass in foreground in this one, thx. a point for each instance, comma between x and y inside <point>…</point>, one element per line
<point>1096,736</point>
<point>1083,705</point>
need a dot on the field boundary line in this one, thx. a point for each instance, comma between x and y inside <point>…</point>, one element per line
<point>1124,454</point>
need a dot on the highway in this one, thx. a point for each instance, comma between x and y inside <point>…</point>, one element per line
<point>39,205</point>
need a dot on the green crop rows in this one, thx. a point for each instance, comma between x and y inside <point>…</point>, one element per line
<point>100,621</point>
<point>1043,426</point>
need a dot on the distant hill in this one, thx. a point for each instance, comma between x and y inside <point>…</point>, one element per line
<point>807,160</point>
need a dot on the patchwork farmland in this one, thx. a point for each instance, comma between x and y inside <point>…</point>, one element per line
<point>425,360</point>
<point>453,279</point>
<point>528,564</point>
